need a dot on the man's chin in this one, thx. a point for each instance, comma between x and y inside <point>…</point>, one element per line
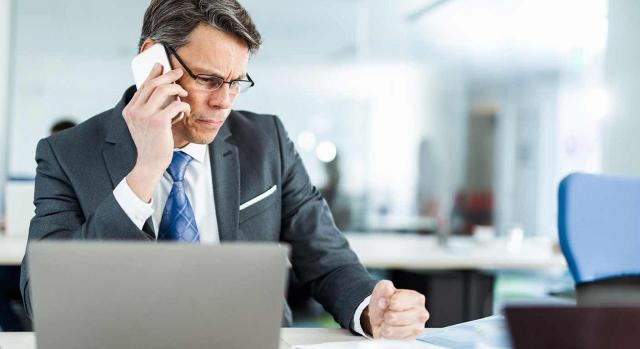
<point>202,138</point>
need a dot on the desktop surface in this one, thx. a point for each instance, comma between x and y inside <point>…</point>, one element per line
<point>288,337</point>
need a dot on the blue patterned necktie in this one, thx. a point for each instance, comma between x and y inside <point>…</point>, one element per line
<point>178,222</point>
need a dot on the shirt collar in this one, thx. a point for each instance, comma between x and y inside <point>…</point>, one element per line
<point>196,151</point>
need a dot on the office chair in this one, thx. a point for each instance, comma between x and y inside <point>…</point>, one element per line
<point>599,231</point>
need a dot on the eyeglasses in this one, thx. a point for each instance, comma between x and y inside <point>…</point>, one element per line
<point>212,82</point>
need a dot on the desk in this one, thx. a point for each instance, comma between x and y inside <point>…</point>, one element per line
<point>399,224</point>
<point>12,250</point>
<point>288,337</point>
<point>408,251</point>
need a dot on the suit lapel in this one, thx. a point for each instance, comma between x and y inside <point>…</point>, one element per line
<point>225,170</point>
<point>119,159</point>
<point>119,153</point>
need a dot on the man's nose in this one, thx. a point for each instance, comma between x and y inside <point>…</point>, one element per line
<point>222,98</point>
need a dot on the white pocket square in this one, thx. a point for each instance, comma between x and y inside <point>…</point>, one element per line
<point>259,197</point>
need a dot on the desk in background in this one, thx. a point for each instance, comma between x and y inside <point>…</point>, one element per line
<point>398,224</point>
<point>410,251</point>
<point>12,250</point>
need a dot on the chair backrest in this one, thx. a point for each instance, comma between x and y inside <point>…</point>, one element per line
<point>599,227</point>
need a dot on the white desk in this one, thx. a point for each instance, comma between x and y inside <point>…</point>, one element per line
<point>288,337</point>
<point>399,224</point>
<point>12,250</point>
<point>409,251</point>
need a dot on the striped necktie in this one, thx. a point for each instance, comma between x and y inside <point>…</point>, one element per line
<point>178,222</point>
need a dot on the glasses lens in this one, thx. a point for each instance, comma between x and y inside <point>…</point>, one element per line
<point>243,85</point>
<point>209,83</point>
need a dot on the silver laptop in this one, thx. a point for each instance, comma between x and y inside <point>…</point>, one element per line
<point>139,295</point>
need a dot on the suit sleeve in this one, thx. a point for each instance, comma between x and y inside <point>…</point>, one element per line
<point>320,255</point>
<point>58,214</point>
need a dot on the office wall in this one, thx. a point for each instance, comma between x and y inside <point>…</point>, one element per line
<point>71,58</point>
<point>5,66</point>
<point>622,129</point>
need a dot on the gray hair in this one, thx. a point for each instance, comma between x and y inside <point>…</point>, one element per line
<point>171,21</point>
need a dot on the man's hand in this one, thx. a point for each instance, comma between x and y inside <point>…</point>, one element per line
<point>148,116</point>
<point>394,313</point>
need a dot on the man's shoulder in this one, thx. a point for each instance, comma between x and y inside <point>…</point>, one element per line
<point>250,124</point>
<point>246,118</point>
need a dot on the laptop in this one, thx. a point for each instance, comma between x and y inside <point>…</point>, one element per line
<point>165,295</point>
<point>571,327</point>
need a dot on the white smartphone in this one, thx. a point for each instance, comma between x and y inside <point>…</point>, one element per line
<point>144,62</point>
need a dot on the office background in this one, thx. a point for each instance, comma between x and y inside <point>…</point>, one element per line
<point>414,116</point>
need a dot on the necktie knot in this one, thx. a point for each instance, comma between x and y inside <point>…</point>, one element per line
<point>178,165</point>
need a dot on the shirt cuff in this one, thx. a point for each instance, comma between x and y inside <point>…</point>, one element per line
<point>357,327</point>
<point>137,210</point>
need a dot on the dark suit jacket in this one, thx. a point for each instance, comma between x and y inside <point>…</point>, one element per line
<point>79,168</point>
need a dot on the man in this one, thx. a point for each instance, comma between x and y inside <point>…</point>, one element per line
<point>215,175</point>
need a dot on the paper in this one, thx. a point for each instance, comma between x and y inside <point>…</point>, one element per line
<point>370,344</point>
<point>487,333</point>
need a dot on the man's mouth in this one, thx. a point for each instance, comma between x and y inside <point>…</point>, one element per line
<point>210,123</point>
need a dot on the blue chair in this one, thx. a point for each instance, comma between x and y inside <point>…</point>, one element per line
<point>599,231</point>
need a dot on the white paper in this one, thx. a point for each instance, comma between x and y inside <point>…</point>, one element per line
<point>370,344</point>
<point>487,333</point>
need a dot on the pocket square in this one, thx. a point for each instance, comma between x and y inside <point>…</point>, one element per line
<point>259,198</point>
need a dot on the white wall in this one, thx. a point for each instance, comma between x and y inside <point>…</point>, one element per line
<point>71,58</point>
<point>5,61</point>
<point>621,153</point>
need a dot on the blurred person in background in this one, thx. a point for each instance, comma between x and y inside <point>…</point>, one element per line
<point>61,125</point>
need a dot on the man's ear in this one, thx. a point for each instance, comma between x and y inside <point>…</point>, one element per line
<point>146,44</point>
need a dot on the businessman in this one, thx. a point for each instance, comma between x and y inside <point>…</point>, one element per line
<point>216,174</point>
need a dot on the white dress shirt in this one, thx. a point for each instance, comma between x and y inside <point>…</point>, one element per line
<point>197,179</point>
<point>198,185</point>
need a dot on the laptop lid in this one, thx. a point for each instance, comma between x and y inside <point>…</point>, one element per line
<point>162,295</point>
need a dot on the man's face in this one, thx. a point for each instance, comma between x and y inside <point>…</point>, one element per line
<point>209,52</point>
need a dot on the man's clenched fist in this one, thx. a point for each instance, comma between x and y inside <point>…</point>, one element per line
<point>394,313</point>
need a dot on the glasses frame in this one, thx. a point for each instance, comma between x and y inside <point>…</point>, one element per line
<point>195,77</point>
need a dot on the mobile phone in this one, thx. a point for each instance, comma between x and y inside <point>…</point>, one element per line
<point>144,62</point>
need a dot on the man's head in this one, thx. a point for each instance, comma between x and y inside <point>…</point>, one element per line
<point>212,38</point>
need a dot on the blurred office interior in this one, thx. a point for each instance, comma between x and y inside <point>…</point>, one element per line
<point>439,124</point>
